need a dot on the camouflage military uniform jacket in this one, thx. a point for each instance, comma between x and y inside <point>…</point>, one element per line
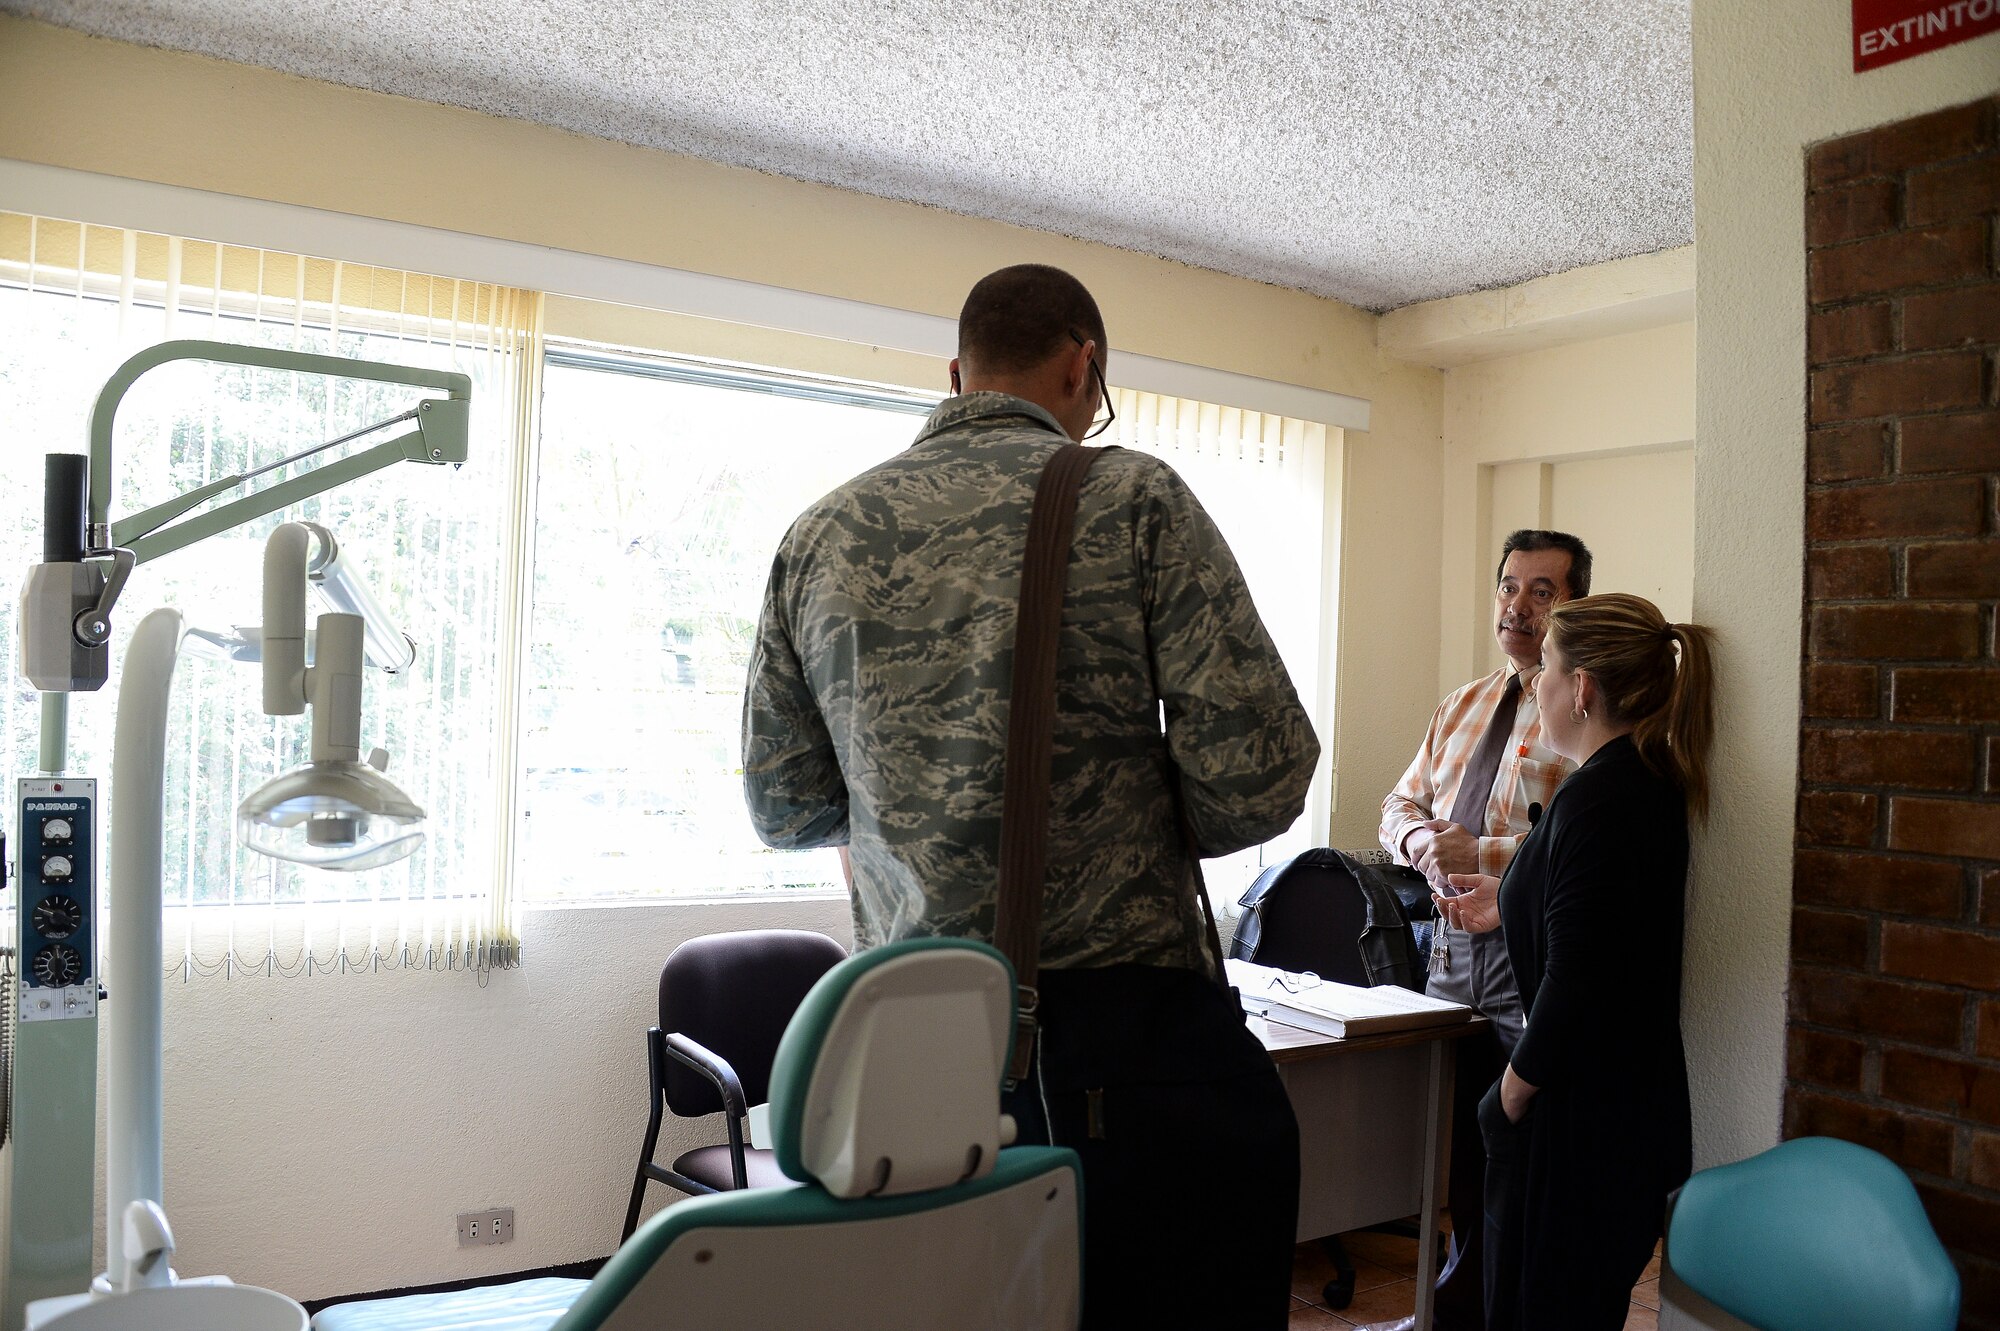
<point>876,714</point>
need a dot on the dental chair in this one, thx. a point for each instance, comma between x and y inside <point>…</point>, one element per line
<point>906,1210</point>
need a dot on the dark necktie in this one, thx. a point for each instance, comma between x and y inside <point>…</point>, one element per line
<point>1474,793</point>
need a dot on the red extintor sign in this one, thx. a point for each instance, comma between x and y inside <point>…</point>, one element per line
<point>1886,31</point>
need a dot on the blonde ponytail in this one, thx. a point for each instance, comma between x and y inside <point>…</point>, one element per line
<point>1656,676</point>
<point>1676,739</point>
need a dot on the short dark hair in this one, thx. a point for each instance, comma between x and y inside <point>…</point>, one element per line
<point>1017,318</point>
<point>1528,539</point>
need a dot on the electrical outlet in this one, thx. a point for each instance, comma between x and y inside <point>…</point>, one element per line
<point>477,1228</point>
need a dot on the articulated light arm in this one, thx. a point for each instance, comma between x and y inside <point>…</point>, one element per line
<point>440,437</point>
<point>66,602</point>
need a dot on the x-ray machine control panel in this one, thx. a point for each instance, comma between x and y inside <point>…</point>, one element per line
<point>56,856</point>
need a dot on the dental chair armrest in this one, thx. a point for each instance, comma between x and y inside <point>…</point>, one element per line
<point>716,1068</point>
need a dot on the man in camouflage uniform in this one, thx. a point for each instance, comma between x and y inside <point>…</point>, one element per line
<point>876,719</point>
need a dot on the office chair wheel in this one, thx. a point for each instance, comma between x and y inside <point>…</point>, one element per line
<point>1339,1291</point>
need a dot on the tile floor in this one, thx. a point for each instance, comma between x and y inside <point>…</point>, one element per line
<point>1385,1269</point>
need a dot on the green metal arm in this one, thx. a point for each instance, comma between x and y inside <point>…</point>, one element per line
<point>440,437</point>
<point>423,444</point>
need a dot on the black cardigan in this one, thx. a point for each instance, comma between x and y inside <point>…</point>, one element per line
<point>1593,909</point>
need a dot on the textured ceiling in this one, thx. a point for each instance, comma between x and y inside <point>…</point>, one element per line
<point>1378,151</point>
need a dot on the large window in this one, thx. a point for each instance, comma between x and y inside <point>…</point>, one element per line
<point>584,591</point>
<point>663,488</point>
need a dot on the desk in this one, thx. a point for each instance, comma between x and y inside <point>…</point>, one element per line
<point>1374,1130</point>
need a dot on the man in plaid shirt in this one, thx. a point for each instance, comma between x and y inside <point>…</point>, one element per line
<point>1465,805</point>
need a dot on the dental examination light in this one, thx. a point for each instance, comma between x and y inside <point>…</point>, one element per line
<point>336,812</point>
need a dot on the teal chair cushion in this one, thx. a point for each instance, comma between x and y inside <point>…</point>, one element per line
<point>1814,1235</point>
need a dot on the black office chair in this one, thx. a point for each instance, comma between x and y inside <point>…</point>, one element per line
<point>725,1000</point>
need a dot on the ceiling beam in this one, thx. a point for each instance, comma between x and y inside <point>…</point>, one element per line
<point>1623,296</point>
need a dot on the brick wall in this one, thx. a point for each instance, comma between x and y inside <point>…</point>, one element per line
<point>1894,1032</point>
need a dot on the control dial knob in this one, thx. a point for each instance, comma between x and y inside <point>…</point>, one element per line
<point>57,829</point>
<point>57,868</point>
<point>57,916</point>
<point>58,965</point>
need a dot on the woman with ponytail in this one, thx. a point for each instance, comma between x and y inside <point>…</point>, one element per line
<point>1587,1130</point>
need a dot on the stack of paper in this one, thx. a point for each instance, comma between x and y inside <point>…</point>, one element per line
<point>1338,1009</point>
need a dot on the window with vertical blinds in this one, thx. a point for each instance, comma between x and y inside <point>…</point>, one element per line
<point>440,547</point>
<point>570,723</point>
<point>1265,480</point>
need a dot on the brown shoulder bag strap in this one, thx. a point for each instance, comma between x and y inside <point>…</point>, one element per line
<point>1031,718</point>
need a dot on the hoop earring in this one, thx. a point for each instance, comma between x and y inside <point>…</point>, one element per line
<point>1579,719</point>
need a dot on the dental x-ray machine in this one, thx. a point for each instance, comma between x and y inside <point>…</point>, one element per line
<point>338,812</point>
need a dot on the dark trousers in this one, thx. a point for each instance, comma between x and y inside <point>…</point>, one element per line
<point>1461,1286</point>
<point>1189,1147</point>
<point>1569,1228</point>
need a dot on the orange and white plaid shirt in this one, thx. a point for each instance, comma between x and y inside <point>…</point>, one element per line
<point>1529,773</point>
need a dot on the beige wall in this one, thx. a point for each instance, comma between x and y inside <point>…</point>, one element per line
<point>1595,437</point>
<point>323,1133</point>
<point>1634,510</point>
<point>1770,79</point>
<point>1639,511</point>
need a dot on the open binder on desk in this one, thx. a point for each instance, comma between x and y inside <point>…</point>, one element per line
<point>1312,1004</point>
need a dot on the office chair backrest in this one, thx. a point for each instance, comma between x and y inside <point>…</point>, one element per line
<point>885,1103</point>
<point>1814,1235</point>
<point>733,993</point>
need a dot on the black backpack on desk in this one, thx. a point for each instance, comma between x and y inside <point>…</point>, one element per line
<point>1347,921</point>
